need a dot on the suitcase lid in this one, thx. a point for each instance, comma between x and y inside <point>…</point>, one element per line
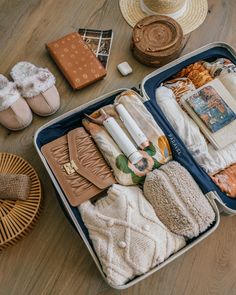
<point>148,86</point>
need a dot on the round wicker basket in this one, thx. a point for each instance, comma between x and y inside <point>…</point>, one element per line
<point>156,40</point>
<point>18,217</point>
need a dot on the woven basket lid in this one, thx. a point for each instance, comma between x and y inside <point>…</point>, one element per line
<point>156,38</point>
<point>18,217</point>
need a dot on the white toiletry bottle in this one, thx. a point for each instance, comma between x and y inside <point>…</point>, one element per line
<point>122,140</point>
<point>136,133</point>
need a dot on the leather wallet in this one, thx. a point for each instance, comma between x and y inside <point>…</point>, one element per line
<point>78,166</point>
<point>76,60</point>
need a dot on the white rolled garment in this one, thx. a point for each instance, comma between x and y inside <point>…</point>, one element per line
<point>128,237</point>
<point>207,157</point>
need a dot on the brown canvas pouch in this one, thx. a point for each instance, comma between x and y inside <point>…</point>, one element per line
<point>14,186</point>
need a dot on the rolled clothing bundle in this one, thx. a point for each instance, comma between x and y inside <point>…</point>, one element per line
<point>197,73</point>
<point>211,160</point>
<point>178,200</point>
<point>225,70</point>
<point>124,171</point>
<point>143,118</point>
<point>226,180</point>
<point>127,236</point>
<point>180,86</point>
<point>14,186</point>
<point>157,153</point>
<point>220,66</point>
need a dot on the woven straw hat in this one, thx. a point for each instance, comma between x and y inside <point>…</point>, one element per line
<point>190,14</point>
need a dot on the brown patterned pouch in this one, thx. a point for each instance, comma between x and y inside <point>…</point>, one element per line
<point>14,186</point>
<point>78,166</point>
<point>76,60</point>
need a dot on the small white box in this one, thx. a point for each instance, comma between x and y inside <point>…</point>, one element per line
<point>124,68</point>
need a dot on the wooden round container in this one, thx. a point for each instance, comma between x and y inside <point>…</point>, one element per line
<point>18,217</point>
<point>156,40</point>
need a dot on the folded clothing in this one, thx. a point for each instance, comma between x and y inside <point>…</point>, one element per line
<point>220,66</point>
<point>14,186</point>
<point>178,200</point>
<point>127,236</point>
<point>180,86</point>
<point>197,73</point>
<point>211,160</point>
<point>225,70</point>
<point>156,154</point>
<point>181,122</point>
<point>124,171</point>
<point>226,180</point>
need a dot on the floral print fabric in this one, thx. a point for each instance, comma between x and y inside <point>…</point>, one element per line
<point>156,154</point>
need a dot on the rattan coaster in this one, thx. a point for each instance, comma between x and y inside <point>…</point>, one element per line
<point>18,217</point>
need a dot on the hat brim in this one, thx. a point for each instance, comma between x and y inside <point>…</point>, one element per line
<point>193,17</point>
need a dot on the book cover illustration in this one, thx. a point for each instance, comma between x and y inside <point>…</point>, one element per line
<point>211,108</point>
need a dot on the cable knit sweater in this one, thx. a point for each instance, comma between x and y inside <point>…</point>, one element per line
<point>127,236</point>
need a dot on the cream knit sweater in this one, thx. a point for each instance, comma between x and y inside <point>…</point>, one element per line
<point>127,236</point>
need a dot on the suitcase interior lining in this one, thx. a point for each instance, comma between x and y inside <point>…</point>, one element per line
<point>61,128</point>
<point>211,54</point>
<point>185,158</point>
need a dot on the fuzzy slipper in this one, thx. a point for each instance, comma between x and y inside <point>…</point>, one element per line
<point>15,114</point>
<point>37,86</point>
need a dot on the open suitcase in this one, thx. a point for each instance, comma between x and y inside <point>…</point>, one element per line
<point>72,119</point>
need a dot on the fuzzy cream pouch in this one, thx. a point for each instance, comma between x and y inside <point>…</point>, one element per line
<point>178,200</point>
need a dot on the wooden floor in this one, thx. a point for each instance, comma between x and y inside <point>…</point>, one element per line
<point>52,259</point>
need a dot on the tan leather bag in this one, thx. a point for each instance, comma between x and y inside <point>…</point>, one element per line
<point>78,166</point>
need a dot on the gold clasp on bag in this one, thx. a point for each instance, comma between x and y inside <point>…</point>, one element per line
<point>70,167</point>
